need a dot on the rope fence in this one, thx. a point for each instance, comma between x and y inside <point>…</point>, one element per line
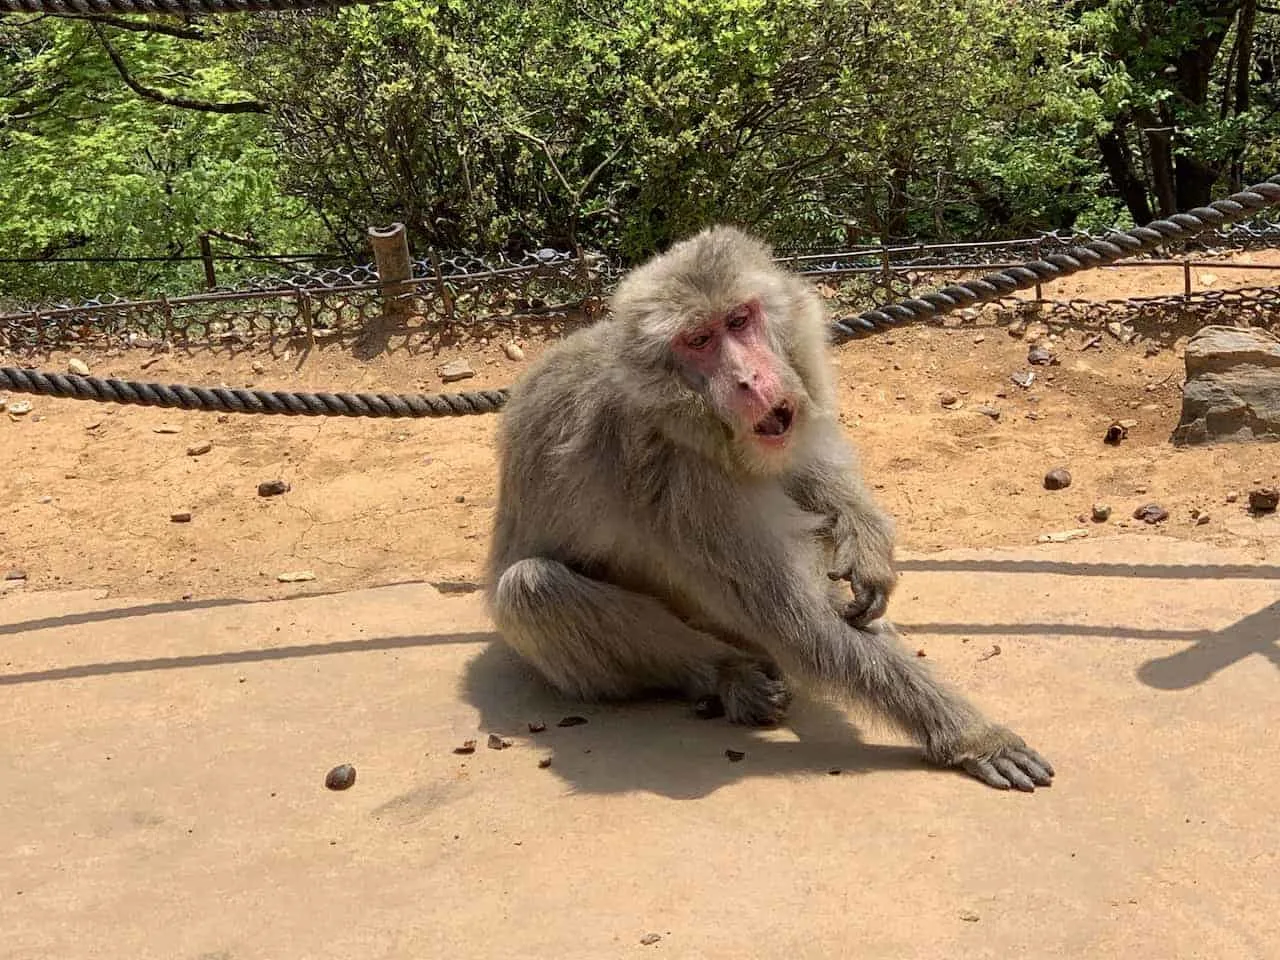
<point>514,286</point>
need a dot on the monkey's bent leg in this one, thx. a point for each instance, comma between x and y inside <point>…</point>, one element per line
<point>594,640</point>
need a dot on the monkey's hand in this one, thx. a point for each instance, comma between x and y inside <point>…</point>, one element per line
<point>998,757</point>
<point>863,555</point>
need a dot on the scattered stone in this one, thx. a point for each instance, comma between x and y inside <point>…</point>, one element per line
<point>991,412</point>
<point>649,939</point>
<point>834,772</point>
<point>1208,279</point>
<point>182,516</point>
<point>296,576</point>
<point>1233,496</point>
<point>1232,387</point>
<point>459,499</point>
<point>1024,379</point>
<point>995,652</point>
<point>1202,519</point>
<point>949,400</point>
<point>1151,513</point>
<point>273,488</point>
<point>1101,513</point>
<point>78,367</point>
<point>200,449</point>
<point>1062,536</point>
<point>1093,341</point>
<point>1115,433</point>
<point>571,721</point>
<point>710,707</point>
<point>497,743</point>
<point>1040,356</point>
<point>921,653</point>
<point>340,777</point>
<point>259,367</point>
<point>1264,499</point>
<point>536,726</point>
<point>979,338</point>
<point>734,755</point>
<point>968,916</point>
<point>16,574</point>
<point>456,586</point>
<point>1057,479</point>
<point>1017,328</point>
<point>513,351</point>
<point>468,746</point>
<point>46,499</point>
<point>544,763</point>
<point>19,408</point>
<point>1153,350</point>
<point>165,428</point>
<point>456,370</point>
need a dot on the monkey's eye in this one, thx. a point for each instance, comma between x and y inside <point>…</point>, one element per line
<point>737,319</point>
<point>698,341</point>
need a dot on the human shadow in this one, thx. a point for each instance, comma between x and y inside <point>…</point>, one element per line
<point>1213,651</point>
<point>659,745</point>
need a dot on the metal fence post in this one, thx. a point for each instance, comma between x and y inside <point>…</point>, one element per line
<point>206,254</point>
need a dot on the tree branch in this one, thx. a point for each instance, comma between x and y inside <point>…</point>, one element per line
<point>143,26</point>
<point>183,103</point>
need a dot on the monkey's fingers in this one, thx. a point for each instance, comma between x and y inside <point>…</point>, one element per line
<point>1012,773</point>
<point>984,771</point>
<point>868,604</point>
<point>1033,765</point>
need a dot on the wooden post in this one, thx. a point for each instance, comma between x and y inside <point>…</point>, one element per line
<point>1186,279</point>
<point>395,269</point>
<point>1039,251</point>
<point>206,254</point>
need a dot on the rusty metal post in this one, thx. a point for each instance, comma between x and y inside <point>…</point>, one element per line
<point>395,270</point>
<point>442,289</point>
<point>1186,279</point>
<point>1039,256</point>
<point>206,254</point>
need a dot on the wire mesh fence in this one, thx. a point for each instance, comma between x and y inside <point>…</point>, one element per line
<point>338,302</point>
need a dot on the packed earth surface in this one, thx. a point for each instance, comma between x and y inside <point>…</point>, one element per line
<point>178,689</point>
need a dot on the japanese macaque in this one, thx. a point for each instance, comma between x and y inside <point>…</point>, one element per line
<point>678,508</point>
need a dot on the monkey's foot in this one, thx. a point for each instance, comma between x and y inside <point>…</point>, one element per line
<point>750,696</point>
<point>1001,759</point>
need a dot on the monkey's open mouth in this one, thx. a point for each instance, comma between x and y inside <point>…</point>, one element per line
<point>776,422</point>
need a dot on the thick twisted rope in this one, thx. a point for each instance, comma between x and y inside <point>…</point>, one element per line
<point>179,8</point>
<point>1116,245</point>
<point>232,400</point>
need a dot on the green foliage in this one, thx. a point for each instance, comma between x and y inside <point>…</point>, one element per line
<point>88,168</point>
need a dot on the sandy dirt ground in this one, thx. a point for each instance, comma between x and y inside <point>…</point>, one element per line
<point>88,489</point>
<point>169,708</point>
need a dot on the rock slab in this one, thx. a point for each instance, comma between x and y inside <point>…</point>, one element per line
<point>1232,392</point>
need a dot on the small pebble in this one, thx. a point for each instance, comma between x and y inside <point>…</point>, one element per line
<point>1232,497</point>
<point>734,755</point>
<point>259,367</point>
<point>544,763</point>
<point>167,429</point>
<point>200,449</point>
<point>19,407</point>
<point>949,400</point>
<point>1115,433</point>
<point>571,721</point>
<point>513,351</point>
<point>649,939</point>
<point>16,574</point>
<point>991,412</point>
<point>456,586</point>
<point>1057,479</point>
<point>46,499</point>
<point>340,777</point>
<point>295,576</point>
<point>1101,513</point>
<point>536,726</point>
<point>921,653</point>
<point>459,499</point>
<point>456,370</point>
<point>710,707</point>
<point>468,746</point>
<point>1151,513</point>
<point>78,367</point>
<point>273,488</point>
<point>834,772</point>
<point>497,743</point>
<point>968,916</point>
<point>182,516</point>
<point>1264,499</point>
<point>1039,356</point>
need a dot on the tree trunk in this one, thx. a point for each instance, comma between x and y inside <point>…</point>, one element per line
<point>1116,159</point>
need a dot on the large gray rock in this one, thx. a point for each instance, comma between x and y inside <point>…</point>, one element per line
<point>1232,392</point>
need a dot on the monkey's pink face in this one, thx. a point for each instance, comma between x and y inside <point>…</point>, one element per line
<point>729,358</point>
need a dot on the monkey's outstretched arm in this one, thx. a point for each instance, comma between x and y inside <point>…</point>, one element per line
<point>862,534</point>
<point>790,617</point>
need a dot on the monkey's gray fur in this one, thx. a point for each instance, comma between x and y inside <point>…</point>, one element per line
<point>642,543</point>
